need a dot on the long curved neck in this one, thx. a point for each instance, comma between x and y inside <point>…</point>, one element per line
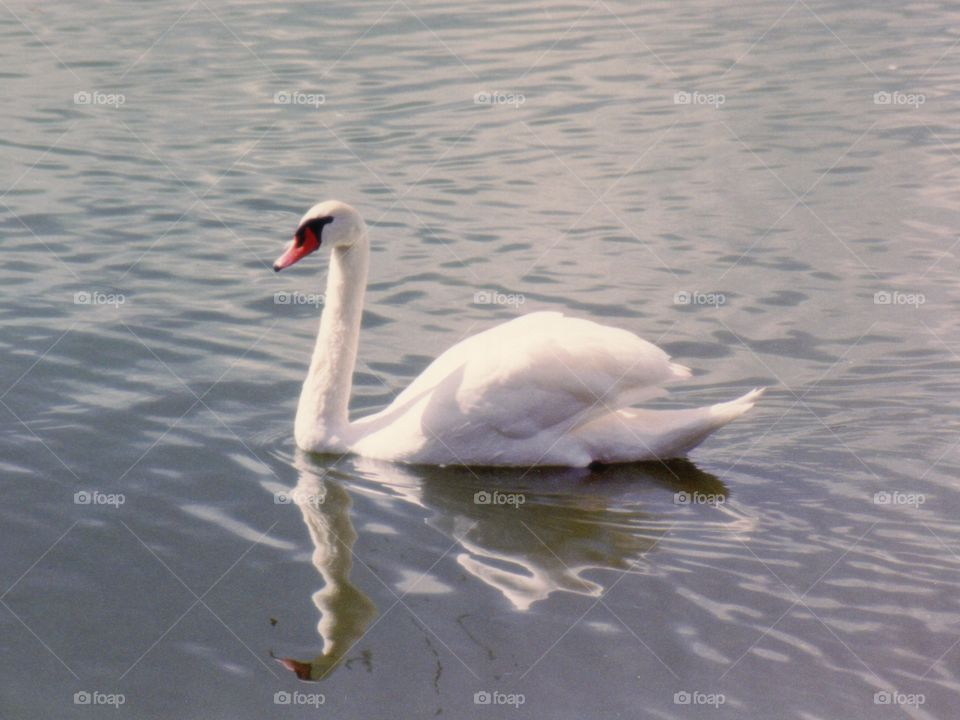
<point>322,417</point>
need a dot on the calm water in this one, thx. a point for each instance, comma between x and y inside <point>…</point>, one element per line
<point>620,159</point>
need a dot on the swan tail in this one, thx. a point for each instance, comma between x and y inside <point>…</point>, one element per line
<point>728,411</point>
<point>634,434</point>
<point>680,372</point>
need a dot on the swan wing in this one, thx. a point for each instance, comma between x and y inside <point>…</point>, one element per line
<point>539,371</point>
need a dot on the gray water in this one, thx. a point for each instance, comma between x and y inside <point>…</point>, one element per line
<point>148,361</point>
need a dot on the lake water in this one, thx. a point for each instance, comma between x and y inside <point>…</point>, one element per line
<point>767,190</point>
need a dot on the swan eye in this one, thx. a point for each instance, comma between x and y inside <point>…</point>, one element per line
<point>315,226</point>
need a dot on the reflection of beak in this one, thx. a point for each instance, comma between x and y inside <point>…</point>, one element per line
<point>292,255</point>
<point>301,669</point>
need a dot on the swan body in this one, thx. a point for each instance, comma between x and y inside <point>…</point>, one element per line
<point>542,389</point>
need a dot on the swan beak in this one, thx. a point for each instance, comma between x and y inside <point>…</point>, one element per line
<point>292,255</point>
<point>295,253</point>
<point>304,243</point>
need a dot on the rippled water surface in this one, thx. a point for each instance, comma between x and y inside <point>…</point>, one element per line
<point>769,190</point>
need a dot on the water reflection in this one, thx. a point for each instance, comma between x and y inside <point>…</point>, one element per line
<point>345,611</point>
<point>527,534</point>
<point>570,521</point>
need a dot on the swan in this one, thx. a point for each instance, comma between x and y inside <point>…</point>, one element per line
<point>541,389</point>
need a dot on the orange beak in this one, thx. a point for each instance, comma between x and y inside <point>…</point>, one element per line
<point>303,244</point>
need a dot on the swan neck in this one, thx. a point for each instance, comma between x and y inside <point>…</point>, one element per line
<point>322,415</point>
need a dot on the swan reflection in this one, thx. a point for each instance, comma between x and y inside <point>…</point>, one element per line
<point>527,534</point>
<point>345,611</point>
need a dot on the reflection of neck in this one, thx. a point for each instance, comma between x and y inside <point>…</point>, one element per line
<point>345,611</point>
<point>322,412</point>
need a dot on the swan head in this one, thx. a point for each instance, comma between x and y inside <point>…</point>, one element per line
<point>332,222</point>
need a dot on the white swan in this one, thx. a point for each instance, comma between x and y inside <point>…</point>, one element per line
<point>542,389</point>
